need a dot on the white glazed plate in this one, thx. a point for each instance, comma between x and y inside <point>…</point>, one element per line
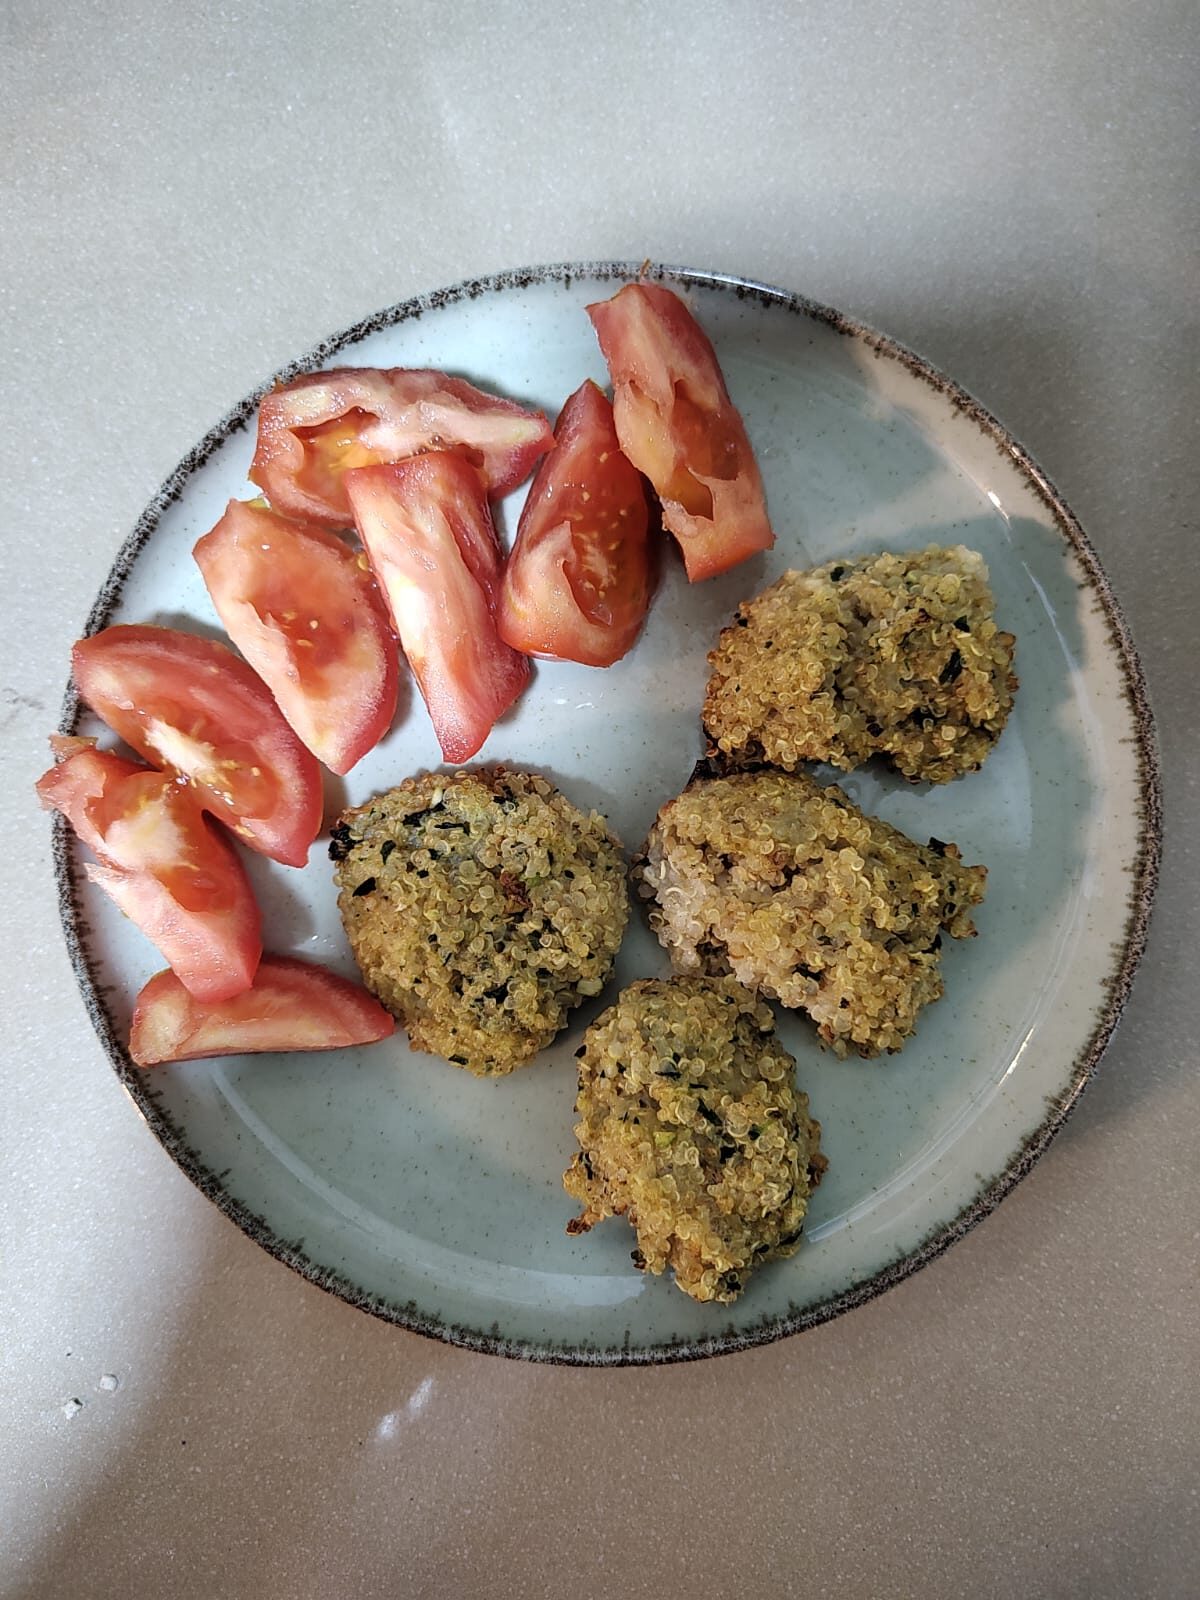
<point>434,1199</point>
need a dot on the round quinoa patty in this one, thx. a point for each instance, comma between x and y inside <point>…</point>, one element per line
<point>792,889</point>
<point>691,1127</point>
<point>897,655</point>
<point>481,907</point>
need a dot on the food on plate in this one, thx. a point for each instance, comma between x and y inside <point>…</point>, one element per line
<point>677,424</point>
<point>292,1005</point>
<point>303,609</point>
<point>163,863</point>
<point>898,655</point>
<point>315,428</point>
<point>194,708</point>
<point>577,585</point>
<point>427,529</point>
<point>481,908</point>
<point>801,897</point>
<point>692,1128</point>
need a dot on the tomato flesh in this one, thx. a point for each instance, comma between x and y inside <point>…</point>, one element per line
<point>305,612</point>
<point>426,527</point>
<point>677,424</point>
<point>291,1005</point>
<point>332,448</point>
<point>314,430</point>
<point>164,864</point>
<point>577,585</point>
<point>191,706</point>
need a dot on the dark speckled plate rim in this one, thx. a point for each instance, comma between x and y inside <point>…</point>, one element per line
<point>141,1086</point>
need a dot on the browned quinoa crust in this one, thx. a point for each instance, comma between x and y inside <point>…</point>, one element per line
<point>802,897</point>
<point>691,1126</point>
<point>896,655</point>
<point>481,907</point>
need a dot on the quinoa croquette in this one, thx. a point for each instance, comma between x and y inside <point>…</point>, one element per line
<point>692,1128</point>
<point>792,889</point>
<point>897,655</point>
<point>481,907</point>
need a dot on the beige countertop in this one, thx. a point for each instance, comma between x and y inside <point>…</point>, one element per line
<point>195,195</point>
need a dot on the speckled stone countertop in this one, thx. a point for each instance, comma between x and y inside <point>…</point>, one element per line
<point>195,195</point>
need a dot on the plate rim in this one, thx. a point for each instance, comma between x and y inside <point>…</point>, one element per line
<point>139,1085</point>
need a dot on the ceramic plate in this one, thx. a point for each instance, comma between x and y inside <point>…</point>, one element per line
<point>434,1199</point>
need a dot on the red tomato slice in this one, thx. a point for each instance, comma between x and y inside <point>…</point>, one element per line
<point>190,705</point>
<point>292,1005</point>
<point>303,609</point>
<point>578,582</point>
<point>164,864</point>
<point>318,427</point>
<point>677,424</point>
<point>426,526</point>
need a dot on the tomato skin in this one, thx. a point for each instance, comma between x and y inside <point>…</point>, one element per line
<point>314,429</point>
<point>291,1005</point>
<point>677,424</point>
<point>192,707</point>
<point>164,864</point>
<point>427,530</point>
<point>578,582</point>
<point>303,609</point>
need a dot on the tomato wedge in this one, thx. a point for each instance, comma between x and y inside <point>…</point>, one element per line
<point>164,864</point>
<point>426,527</point>
<point>303,609</point>
<point>316,428</point>
<point>190,705</point>
<point>291,1005</point>
<point>577,585</point>
<point>677,424</point>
